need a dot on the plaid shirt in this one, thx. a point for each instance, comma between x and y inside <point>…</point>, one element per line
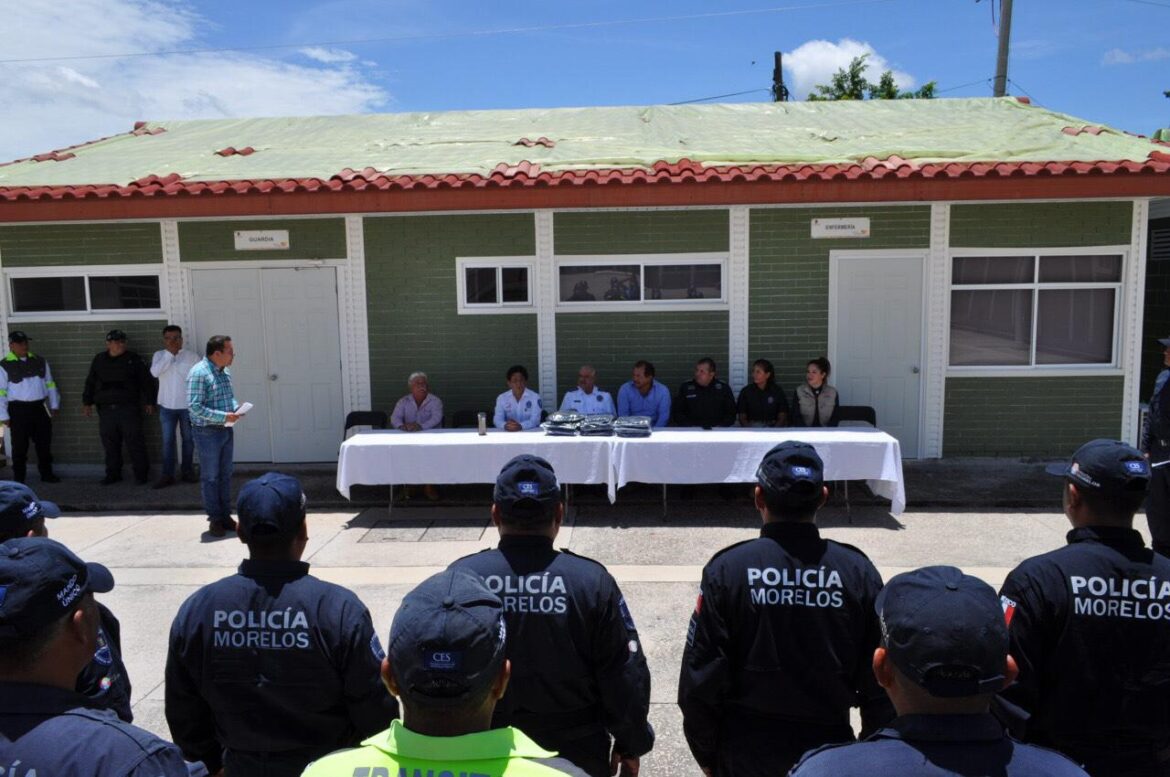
<point>209,394</point>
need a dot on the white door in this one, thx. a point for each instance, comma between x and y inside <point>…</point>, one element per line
<point>877,334</point>
<point>283,324</point>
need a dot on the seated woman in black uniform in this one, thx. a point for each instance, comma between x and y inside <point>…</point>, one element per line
<point>815,403</point>
<point>762,402</point>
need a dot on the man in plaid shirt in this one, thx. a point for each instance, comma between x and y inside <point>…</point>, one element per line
<point>212,405</point>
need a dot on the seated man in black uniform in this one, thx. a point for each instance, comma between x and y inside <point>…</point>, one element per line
<point>48,633</point>
<point>782,637</point>
<point>943,657</point>
<point>579,673</point>
<point>104,679</point>
<point>705,401</point>
<point>271,668</point>
<point>1090,624</point>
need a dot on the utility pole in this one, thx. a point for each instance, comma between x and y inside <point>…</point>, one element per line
<point>779,90</point>
<point>1005,34</point>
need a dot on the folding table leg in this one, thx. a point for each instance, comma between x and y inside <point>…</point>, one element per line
<point>664,501</point>
<point>390,507</point>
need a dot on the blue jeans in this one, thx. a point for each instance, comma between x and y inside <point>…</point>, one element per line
<point>171,419</point>
<point>215,471</point>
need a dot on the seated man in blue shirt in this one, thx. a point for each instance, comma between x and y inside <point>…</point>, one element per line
<point>645,396</point>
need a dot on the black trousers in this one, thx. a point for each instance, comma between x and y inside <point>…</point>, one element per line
<point>118,424</point>
<point>30,421</point>
<point>1158,509</point>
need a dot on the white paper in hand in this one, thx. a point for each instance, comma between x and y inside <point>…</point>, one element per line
<point>241,410</point>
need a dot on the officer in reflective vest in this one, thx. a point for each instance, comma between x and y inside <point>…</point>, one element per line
<point>26,384</point>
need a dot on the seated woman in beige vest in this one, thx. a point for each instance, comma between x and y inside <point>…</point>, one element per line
<point>814,403</point>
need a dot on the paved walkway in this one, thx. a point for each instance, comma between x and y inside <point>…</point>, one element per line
<point>158,559</point>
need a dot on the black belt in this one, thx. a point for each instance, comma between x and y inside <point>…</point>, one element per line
<point>40,401</point>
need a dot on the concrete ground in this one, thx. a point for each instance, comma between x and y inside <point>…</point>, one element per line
<point>984,516</point>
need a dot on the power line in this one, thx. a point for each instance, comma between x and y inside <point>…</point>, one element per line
<point>1151,2</point>
<point>1022,89</point>
<point>470,34</point>
<point>964,86</point>
<point>718,96</point>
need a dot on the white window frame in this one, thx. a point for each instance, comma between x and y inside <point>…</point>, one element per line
<point>1032,369</point>
<point>86,272</point>
<point>641,261</point>
<point>498,263</point>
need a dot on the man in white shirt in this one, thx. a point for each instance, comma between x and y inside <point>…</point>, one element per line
<point>587,398</point>
<point>170,366</point>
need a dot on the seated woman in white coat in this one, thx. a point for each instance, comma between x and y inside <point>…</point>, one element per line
<point>519,407</point>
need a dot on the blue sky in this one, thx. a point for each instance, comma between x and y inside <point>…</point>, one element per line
<point>1107,61</point>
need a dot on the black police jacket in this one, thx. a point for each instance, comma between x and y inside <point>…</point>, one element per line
<point>105,680</point>
<point>52,731</point>
<point>124,380</point>
<point>937,746</point>
<point>1090,630</point>
<point>578,667</point>
<point>273,660</point>
<point>781,638</point>
<point>1156,435</point>
<point>706,406</point>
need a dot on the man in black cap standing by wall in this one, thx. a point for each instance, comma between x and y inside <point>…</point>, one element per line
<point>26,385</point>
<point>446,662</point>
<point>271,667</point>
<point>579,673</point>
<point>1155,443</point>
<point>120,384</point>
<point>943,657</point>
<point>1090,624</point>
<point>48,633</point>
<point>780,644</point>
<point>104,680</point>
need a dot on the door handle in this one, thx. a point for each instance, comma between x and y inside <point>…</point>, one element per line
<point>912,369</point>
<point>273,377</point>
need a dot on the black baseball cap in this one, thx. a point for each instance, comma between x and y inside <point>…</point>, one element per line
<point>41,581</point>
<point>945,631</point>
<point>1106,466</point>
<point>526,487</point>
<point>17,336</point>
<point>115,334</point>
<point>447,640</point>
<point>20,508</point>
<point>792,471</point>
<point>272,504</point>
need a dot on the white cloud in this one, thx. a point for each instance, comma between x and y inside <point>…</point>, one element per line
<point>1122,57</point>
<point>814,62</point>
<point>328,56</point>
<point>51,105</point>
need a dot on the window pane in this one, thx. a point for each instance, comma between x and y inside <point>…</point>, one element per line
<point>684,281</point>
<point>1081,269</point>
<point>31,295</point>
<point>1075,326</point>
<point>117,292</point>
<point>481,285</point>
<point>609,282</point>
<point>991,328</point>
<point>515,284</point>
<point>992,269</point>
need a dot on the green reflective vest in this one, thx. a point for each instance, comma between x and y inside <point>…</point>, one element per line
<point>400,752</point>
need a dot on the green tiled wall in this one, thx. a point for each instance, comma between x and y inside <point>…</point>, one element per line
<point>57,245</point>
<point>210,241</point>
<point>1041,225</point>
<point>612,342</point>
<point>789,277</point>
<point>1157,316</point>
<point>1029,416</point>
<point>640,232</point>
<point>69,348</point>
<point>411,301</point>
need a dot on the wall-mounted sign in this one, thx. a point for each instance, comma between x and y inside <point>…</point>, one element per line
<point>261,239</point>
<point>858,227</point>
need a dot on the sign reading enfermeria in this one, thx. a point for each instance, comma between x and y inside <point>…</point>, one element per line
<point>857,227</point>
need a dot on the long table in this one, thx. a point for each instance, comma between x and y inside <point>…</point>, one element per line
<point>391,457</point>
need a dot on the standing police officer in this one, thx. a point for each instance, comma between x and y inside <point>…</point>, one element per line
<point>119,383</point>
<point>1090,624</point>
<point>271,668</point>
<point>782,637</point>
<point>25,384</point>
<point>579,673</point>
<point>1155,444</point>
<point>944,655</point>
<point>705,401</point>
<point>48,633</point>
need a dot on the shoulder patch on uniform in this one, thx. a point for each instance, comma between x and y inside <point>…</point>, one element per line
<point>1009,609</point>
<point>627,618</point>
<point>376,648</point>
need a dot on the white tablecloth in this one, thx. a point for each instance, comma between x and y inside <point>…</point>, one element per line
<point>668,456</point>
